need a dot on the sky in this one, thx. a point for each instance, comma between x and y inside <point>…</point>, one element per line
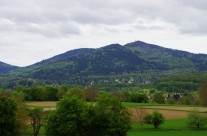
<point>33,30</point>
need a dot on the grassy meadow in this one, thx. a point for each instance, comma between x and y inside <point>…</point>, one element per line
<point>171,127</point>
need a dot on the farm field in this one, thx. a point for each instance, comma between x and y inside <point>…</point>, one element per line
<point>43,104</point>
<point>169,111</point>
<point>175,115</point>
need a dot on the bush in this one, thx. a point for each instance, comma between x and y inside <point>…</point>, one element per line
<point>158,98</point>
<point>195,119</point>
<point>156,119</point>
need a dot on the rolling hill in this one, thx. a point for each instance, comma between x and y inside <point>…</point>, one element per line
<point>5,68</point>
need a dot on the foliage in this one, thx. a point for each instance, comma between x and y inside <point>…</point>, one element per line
<point>136,97</point>
<point>7,116</point>
<point>91,93</point>
<point>71,118</point>
<point>111,117</point>
<point>203,94</point>
<point>77,92</point>
<point>61,92</point>
<point>21,112</point>
<point>36,119</point>
<point>196,119</point>
<point>75,117</point>
<point>181,83</point>
<point>156,119</point>
<point>51,93</point>
<point>170,101</point>
<point>158,98</point>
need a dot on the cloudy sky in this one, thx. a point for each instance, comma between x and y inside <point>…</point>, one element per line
<point>33,30</point>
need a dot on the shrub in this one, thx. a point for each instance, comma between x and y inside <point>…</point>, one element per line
<point>156,119</point>
<point>195,119</point>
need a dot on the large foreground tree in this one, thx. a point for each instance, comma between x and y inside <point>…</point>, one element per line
<point>75,117</point>
<point>7,117</point>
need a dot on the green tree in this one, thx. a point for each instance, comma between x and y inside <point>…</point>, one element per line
<point>203,94</point>
<point>36,119</point>
<point>91,93</point>
<point>77,92</point>
<point>73,116</point>
<point>158,98</point>
<point>156,119</point>
<point>61,92</point>
<point>70,118</point>
<point>195,119</point>
<point>7,116</point>
<point>51,93</point>
<point>112,118</point>
<point>21,112</point>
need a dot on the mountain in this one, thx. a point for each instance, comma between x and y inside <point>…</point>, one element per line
<point>5,68</point>
<point>173,59</point>
<point>140,61</point>
<point>67,55</point>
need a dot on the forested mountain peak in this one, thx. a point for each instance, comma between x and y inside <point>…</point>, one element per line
<point>81,66</point>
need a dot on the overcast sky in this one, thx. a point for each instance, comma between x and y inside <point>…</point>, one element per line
<point>33,30</point>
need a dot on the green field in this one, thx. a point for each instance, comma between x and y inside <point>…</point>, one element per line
<point>132,104</point>
<point>174,127</point>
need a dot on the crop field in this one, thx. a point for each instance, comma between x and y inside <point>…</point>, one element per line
<point>43,104</point>
<point>168,114</point>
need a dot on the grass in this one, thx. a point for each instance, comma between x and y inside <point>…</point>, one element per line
<point>173,127</point>
<point>133,104</point>
<point>168,133</point>
<point>29,131</point>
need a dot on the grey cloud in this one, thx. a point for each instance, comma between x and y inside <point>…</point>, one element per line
<point>101,21</point>
<point>198,4</point>
<point>46,29</point>
<point>153,27</point>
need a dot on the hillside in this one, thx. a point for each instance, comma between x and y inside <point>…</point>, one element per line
<point>5,68</point>
<point>136,62</point>
<point>173,59</point>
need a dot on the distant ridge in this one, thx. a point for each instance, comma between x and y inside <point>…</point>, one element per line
<point>81,66</point>
<point>5,68</point>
